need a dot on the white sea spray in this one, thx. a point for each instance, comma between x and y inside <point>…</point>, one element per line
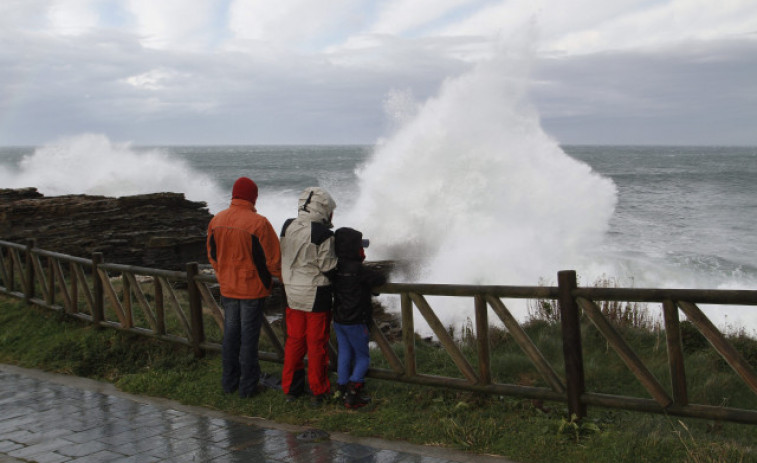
<point>92,164</point>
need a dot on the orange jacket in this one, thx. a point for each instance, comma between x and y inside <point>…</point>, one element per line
<point>244,251</point>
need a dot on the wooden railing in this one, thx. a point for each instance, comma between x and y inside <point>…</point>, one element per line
<point>174,306</point>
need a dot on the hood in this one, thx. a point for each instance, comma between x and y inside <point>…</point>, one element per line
<point>316,205</point>
<point>348,243</point>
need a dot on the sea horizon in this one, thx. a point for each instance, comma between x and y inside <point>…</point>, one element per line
<point>283,144</point>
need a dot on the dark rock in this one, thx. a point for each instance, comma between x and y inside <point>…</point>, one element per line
<point>158,230</point>
<point>7,195</point>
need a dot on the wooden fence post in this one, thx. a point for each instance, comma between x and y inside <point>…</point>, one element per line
<point>11,283</point>
<point>482,340</point>
<point>160,311</point>
<point>571,342</point>
<point>408,334</point>
<point>50,281</point>
<point>195,309</point>
<point>675,352</point>
<point>29,287</point>
<point>98,306</point>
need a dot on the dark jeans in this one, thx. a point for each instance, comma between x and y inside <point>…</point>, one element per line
<point>242,321</point>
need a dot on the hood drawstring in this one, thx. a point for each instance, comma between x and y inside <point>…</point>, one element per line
<point>307,201</point>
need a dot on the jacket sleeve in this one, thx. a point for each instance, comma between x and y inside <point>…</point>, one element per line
<point>210,244</point>
<point>326,256</point>
<point>271,246</point>
<point>371,278</point>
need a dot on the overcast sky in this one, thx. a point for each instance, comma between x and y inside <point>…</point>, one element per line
<point>319,71</point>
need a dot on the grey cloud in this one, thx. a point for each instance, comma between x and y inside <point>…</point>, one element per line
<point>81,85</point>
<point>702,95</point>
<point>52,88</point>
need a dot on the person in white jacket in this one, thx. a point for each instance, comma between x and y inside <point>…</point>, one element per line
<point>308,259</point>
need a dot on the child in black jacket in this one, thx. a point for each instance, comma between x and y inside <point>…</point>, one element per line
<point>353,312</point>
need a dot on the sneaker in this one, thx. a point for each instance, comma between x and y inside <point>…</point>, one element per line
<point>270,381</point>
<point>318,400</point>
<point>290,398</point>
<point>257,390</point>
<point>356,397</point>
<point>341,392</point>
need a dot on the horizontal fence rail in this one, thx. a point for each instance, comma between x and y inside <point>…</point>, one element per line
<point>183,307</point>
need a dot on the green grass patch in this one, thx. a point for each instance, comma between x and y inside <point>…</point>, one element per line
<point>523,430</point>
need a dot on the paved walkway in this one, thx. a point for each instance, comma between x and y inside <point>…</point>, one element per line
<point>50,418</point>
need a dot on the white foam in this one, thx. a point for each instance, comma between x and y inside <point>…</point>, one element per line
<point>474,187</point>
<point>93,164</point>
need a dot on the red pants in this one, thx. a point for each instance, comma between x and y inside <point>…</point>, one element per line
<point>307,332</point>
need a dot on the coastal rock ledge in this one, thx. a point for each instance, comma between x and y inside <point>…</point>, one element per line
<point>157,230</point>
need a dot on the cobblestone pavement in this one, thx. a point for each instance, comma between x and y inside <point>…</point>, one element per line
<point>50,418</point>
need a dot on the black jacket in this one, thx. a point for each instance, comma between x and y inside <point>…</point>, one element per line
<point>353,281</point>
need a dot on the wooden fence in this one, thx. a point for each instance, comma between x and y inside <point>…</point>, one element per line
<point>120,296</point>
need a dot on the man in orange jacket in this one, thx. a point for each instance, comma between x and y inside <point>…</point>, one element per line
<point>244,251</point>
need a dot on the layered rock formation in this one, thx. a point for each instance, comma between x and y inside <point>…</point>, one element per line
<point>159,230</point>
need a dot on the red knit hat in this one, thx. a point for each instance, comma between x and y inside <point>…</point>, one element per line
<point>244,188</point>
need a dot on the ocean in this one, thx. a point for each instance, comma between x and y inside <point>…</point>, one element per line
<point>679,217</point>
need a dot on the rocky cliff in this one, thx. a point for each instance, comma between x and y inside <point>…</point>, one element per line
<point>159,230</point>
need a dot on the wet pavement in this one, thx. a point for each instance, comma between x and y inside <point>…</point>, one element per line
<point>50,418</point>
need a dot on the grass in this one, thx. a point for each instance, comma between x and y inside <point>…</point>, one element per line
<point>523,430</point>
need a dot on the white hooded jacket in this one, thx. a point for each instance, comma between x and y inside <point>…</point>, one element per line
<point>308,254</point>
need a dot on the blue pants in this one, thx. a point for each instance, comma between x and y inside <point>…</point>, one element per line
<point>241,334</point>
<point>354,357</point>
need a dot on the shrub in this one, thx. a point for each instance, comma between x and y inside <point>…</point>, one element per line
<point>691,339</point>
